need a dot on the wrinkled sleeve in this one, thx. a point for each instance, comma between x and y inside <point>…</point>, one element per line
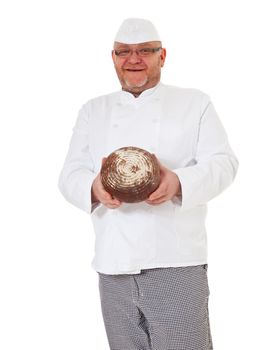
<point>215,164</point>
<point>77,174</point>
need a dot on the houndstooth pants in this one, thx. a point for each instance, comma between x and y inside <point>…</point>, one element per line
<point>158,309</point>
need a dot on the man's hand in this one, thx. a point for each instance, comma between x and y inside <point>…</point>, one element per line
<point>168,188</point>
<point>99,194</point>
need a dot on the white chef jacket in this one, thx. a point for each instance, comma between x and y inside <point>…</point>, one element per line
<point>181,127</point>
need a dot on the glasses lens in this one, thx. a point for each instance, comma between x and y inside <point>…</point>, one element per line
<point>123,53</point>
<point>146,51</point>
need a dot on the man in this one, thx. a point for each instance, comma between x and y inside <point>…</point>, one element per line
<point>151,256</point>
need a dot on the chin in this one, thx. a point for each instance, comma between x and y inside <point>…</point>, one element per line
<point>135,85</point>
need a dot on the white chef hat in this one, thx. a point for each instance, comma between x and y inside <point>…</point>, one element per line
<point>136,30</point>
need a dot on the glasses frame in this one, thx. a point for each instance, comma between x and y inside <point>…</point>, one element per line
<point>139,52</point>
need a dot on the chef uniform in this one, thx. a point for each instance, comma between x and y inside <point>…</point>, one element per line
<point>152,260</point>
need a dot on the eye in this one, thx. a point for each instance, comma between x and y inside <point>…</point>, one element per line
<point>122,53</point>
<point>145,51</point>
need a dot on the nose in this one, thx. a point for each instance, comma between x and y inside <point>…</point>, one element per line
<point>134,57</point>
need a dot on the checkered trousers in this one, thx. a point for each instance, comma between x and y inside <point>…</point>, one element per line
<point>158,309</point>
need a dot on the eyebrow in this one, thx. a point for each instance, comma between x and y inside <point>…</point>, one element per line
<point>127,47</point>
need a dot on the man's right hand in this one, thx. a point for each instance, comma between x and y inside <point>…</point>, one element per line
<point>99,194</point>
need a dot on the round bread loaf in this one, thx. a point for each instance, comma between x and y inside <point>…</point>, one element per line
<point>130,174</point>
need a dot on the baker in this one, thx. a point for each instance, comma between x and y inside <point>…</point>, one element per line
<point>151,256</point>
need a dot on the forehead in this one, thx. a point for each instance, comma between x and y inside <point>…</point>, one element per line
<point>118,45</point>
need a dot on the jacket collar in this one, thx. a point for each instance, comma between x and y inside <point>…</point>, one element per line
<point>128,98</point>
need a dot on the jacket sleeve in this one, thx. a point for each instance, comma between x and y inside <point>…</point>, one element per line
<point>77,175</point>
<point>215,164</point>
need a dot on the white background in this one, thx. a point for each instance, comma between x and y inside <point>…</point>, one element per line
<point>55,55</point>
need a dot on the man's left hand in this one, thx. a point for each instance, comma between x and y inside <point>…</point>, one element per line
<point>168,188</point>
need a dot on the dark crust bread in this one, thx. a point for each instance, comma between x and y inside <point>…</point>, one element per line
<point>130,174</point>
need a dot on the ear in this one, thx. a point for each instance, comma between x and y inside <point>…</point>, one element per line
<point>163,54</point>
<point>113,56</point>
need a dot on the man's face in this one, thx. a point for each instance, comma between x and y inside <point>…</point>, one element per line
<point>137,71</point>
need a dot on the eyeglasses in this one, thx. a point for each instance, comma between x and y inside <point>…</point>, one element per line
<point>144,52</point>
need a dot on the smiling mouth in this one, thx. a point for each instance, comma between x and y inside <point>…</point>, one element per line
<point>134,70</point>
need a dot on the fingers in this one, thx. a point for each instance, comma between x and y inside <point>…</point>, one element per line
<point>107,200</point>
<point>157,201</point>
<point>161,191</point>
<point>112,206</point>
<point>158,196</point>
<point>113,203</point>
<point>103,196</point>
